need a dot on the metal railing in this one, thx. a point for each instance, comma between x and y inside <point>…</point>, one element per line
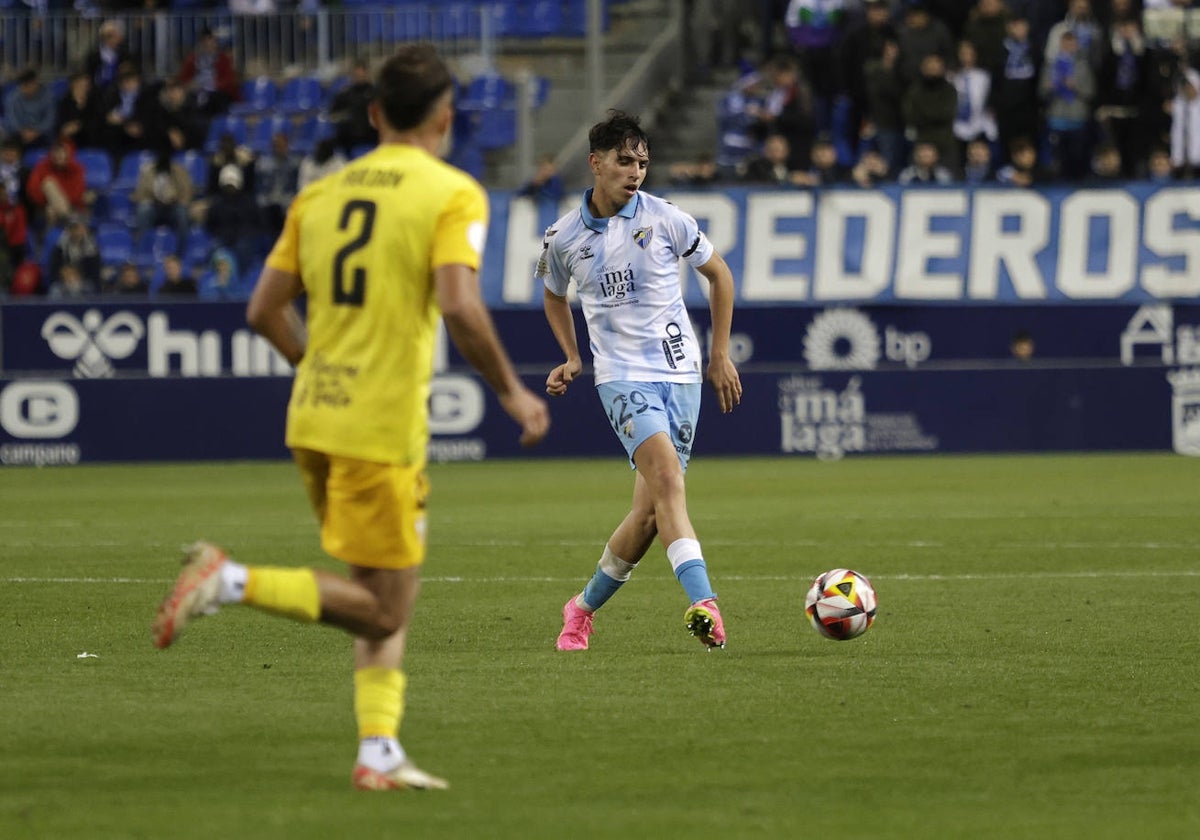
<point>276,44</point>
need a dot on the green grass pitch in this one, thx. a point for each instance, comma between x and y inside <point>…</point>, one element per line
<point>1034,670</point>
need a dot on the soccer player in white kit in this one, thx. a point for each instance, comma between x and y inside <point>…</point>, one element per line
<point>623,248</point>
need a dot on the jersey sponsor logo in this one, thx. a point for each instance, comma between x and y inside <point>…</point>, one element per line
<point>642,237</point>
<point>672,345</point>
<point>617,284</point>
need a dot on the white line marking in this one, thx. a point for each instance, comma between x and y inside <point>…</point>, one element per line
<point>802,577</point>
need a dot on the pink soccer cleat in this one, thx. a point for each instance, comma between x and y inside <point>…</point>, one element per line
<point>407,776</point>
<point>703,620</point>
<point>577,626</point>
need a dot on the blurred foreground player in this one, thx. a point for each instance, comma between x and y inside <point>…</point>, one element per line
<point>378,249</point>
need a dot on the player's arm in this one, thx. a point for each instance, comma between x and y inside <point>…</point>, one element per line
<point>721,372</point>
<point>471,329</point>
<point>272,312</point>
<point>562,324</point>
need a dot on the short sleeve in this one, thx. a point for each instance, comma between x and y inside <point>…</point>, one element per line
<point>550,268</point>
<point>687,240</point>
<point>285,256</point>
<point>462,229</point>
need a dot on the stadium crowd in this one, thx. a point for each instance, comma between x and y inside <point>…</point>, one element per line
<point>1015,92</point>
<point>106,174</point>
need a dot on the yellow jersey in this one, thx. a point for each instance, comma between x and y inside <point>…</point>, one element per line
<point>365,242</point>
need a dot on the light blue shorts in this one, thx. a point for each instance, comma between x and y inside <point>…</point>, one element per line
<point>637,410</point>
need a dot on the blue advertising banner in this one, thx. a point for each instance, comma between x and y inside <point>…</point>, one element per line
<point>829,415</point>
<point>1130,244</point>
<point>115,337</point>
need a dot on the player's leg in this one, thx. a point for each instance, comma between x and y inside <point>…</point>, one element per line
<point>627,545</point>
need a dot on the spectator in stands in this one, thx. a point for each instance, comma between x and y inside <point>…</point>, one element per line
<point>738,124</point>
<point>104,62</point>
<point>1185,125</point>
<point>824,170</point>
<point>1015,98</point>
<point>1106,164</point>
<point>275,177</point>
<point>57,186</point>
<point>13,237</point>
<point>1022,169</point>
<point>1067,86</point>
<point>1127,90</point>
<point>925,167</point>
<point>1089,36</point>
<point>221,281</point>
<point>229,153</point>
<point>175,279</point>
<point>209,73</point>
<point>75,260</point>
<point>29,111</point>
<point>13,174</point>
<point>348,110</point>
<point>545,184</point>
<point>1021,347</point>
<point>232,218</point>
<point>172,120</point>
<point>814,29</point>
<point>883,125</point>
<point>921,34</point>
<point>77,115</point>
<point>1042,15</point>
<point>701,172</point>
<point>162,196</point>
<point>930,107</point>
<point>871,170</point>
<point>986,28</point>
<point>126,107</point>
<point>974,87</point>
<point>787,109</point>
<point>978,168</point>
<point>129,281</point>
<point>862,45</point>
<point>772,165</point>
<point>1159,170</point>
<point>325,159</point>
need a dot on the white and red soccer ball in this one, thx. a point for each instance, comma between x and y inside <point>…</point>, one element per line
<point>840,604</point>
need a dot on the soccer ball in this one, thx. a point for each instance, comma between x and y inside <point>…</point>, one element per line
<point>840,604</point>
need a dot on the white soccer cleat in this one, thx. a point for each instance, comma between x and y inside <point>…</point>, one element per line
<point>407,776</point>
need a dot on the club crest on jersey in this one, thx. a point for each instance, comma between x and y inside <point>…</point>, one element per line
<point>642,236</point>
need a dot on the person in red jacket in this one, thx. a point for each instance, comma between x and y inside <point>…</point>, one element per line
<point>209,74</point>
<point>57,185</point>
<point>13,236</point>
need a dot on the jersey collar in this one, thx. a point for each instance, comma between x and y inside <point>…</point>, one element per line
<point>600,225</point>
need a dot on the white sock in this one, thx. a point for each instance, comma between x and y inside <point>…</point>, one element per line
<point>233,583</point>
<point>380,754</point>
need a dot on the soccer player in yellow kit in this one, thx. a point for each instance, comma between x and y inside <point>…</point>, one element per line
<point>379,249</point>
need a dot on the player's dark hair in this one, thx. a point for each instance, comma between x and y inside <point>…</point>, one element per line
<point>619,131</point>
<point>410,84</point>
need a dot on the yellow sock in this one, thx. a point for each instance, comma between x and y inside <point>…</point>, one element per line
<point>378,701</point>
<point>289,592</point>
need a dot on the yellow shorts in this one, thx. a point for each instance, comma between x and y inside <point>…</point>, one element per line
<point>371,514</point>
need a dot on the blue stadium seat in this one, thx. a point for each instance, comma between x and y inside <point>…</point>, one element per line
<point>198,247</point>
<point>52,236</point>
<point>310,132</point>
<point>31,157</point>
<point>301,95</point>
<point>97,167</point>
<point>258,95</point>
<point>469,158</point>
<point>268,127</point>
<point>497,128</point>
<point>228,124</point>
<point>115,243</point>
<point>544,19</point>
<point>128,169</point>
<point>116,206</point>
<point>197,166</point>
<point>487,90</point>
<point>154,245</point>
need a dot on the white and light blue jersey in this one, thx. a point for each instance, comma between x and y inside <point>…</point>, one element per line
<point>626,271</point>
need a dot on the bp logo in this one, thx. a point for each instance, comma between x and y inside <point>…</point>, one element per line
<point>841,339</point>
<point>93,341</point>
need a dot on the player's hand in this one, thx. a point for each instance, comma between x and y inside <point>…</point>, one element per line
<point>530,412</point>
<point>562,376</point>
<point>725,380</point>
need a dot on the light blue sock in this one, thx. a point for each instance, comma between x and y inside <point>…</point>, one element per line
<point>688,563</point>
<point>611,573</point>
